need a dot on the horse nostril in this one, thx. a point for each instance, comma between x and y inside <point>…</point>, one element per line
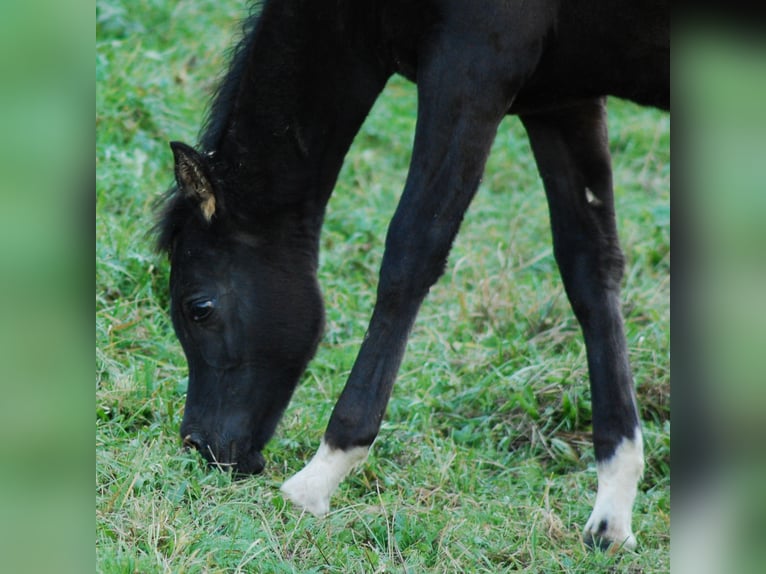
<point>194,440</point>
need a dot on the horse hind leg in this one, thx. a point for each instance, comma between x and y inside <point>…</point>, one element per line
<point>618,475</point>
<point>571,151</point>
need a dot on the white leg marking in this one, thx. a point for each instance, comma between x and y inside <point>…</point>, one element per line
<point>312,487</point>
<point>591,198</point>
<point>617,487</point>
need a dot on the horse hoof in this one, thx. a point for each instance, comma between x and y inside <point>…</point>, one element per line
<point>607,537</point>
<point>303,494</point>
<point>313,486</point>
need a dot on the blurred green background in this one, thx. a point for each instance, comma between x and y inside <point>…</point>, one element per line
<point>719,211</point>
<point>46,231</point>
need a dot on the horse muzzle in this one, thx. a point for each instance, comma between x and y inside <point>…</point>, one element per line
<point>226,456</point>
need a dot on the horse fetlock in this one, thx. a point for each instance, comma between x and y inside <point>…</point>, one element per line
<point>312,487</point>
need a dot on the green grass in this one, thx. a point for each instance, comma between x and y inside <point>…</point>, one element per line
<point>483,463</point>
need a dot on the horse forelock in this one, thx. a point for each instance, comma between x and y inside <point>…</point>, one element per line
<point>173,210</point>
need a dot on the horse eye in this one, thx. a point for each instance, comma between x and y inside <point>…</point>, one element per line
<point>201,309</point>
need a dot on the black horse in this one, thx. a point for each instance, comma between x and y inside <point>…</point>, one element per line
<point>242,224</point>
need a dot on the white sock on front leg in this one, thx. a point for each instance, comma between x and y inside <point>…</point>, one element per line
<point>312,487</point>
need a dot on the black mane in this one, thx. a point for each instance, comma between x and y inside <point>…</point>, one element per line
<point>225,95</point>
<point>174,209</point>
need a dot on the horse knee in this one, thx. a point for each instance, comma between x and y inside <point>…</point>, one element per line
<point>406,281</point>
<point>412,263</point>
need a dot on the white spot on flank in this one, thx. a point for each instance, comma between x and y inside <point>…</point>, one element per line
<point>617,487</point>
<point>313,486</point>
<point>591,198</point>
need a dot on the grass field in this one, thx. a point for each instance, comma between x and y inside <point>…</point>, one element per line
<point>483,463</point>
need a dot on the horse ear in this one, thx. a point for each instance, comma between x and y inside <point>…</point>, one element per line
<point>192,179</point>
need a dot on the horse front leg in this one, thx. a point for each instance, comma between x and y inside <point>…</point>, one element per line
<point>457,122</point>
<point>572,154</point>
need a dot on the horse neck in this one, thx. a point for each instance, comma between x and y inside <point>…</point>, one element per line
<point>303,91</point>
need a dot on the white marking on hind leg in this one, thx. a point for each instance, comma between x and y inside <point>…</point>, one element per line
<point>591,198</point>
<point>618,477</point>
<point>312,487</point>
